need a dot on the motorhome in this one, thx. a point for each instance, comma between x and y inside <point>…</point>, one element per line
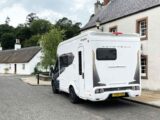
<point>97,66</point>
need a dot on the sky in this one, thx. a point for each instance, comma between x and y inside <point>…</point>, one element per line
<point>52,10</point>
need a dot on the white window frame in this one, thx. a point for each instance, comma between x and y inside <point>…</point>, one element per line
<point>23,66</point>
<point>142,28</point>
<point>144,65</point>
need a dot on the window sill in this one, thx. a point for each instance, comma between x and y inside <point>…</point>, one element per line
<point>144,77</point>
<point>144,38</point>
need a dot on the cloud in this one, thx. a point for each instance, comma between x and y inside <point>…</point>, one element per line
<point>17,10</point>
<point>3,1</point>
<point>50,15</point>
<point>17,14</point>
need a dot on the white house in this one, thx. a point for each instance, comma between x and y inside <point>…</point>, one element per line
<point>20,61</point>
<point>133,16</point>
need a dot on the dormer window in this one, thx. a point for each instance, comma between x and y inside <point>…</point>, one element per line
<point>142,28</point>
<point>113,29</point>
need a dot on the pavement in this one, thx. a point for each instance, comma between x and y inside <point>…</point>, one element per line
<point>21,101</point>
<point>148,97</point>
<point>151,98</point>
<point>32,80</point>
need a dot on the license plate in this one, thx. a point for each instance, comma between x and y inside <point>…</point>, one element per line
<point>118,94</point>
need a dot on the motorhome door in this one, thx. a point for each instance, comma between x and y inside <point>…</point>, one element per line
<point>81,75</point>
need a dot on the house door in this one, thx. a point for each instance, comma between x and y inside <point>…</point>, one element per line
<point>81,72</point>
<point>15,68</point>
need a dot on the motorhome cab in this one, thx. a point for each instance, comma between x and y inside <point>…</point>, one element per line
<point>98,66</point>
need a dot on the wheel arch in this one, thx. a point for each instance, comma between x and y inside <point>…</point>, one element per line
<point>74,87</point>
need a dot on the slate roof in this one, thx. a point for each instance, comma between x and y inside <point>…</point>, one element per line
<point>118,9</point>
<point>23,55</point>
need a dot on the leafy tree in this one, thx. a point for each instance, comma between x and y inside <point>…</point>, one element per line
<point>7,20</point>
<point>40,26</point>
<point>33,41</point>
<point>23,33</point>
<point>4,28</point>
<point>70,29</point>
<point>8,41</point>
<point>49,43</point>
<point>31,17</point>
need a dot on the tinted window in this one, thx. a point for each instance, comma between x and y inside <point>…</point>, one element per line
<point>55,68</point>
<point>66,60</point>
<point>106,54</point>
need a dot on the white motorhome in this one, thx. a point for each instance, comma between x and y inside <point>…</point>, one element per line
<point>96,66</point>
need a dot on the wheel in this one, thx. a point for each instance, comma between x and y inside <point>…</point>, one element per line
<point>73,97</point>
<point>54,89</point>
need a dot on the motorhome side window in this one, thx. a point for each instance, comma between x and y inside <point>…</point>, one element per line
<point>66,60</point>
<point>56,67</point>
<point>106,54</point>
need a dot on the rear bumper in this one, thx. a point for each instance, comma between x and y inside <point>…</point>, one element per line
<point>107,95</point>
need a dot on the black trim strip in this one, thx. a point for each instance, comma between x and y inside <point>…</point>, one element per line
<point>117,89</point>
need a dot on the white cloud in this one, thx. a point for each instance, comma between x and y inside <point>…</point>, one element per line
<point>79,4</point>
<point>17,10</point>
<point>16,13</point>
<point>50,15</point>
<point>3,1</point>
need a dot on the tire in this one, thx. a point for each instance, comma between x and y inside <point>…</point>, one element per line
<point>54,89</point>
<point>73,97</point>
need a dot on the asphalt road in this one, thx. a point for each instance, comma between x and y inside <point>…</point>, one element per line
<point>20,101</point>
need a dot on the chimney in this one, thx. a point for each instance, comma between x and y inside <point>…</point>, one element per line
<point>97,7</point>
<point>0,47</point>
<point>17,45</point>
<point>105,2</point>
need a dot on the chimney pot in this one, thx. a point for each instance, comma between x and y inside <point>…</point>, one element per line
<point>106,2</point>
<point>97,7</point>
<point>17,41</point>
<point>17,45</point>
<point>0,47</point>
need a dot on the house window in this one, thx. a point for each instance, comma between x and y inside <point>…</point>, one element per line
<point>23,66</point>
<point>144,66</point>
<point>113,29</point>
<point>9,66</point>
<point>142,28</point>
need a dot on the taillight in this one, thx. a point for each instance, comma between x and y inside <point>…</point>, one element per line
<point>117,33</point>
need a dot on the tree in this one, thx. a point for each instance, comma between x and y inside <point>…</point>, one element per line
<point>49,43</point>
<point>8,41</point>
<point>40,26</point>
<point>33,41</point>
<point>23,33</point>
<point>31,17</point>
<point>5,28</point>
<point>7,20</point>
<point>69,28</point>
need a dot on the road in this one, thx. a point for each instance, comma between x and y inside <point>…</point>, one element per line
<point>20,101</point>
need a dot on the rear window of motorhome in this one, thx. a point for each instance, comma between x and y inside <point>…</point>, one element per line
<point>106,54</point>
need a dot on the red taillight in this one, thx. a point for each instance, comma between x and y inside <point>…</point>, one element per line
<point>117,33</point>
